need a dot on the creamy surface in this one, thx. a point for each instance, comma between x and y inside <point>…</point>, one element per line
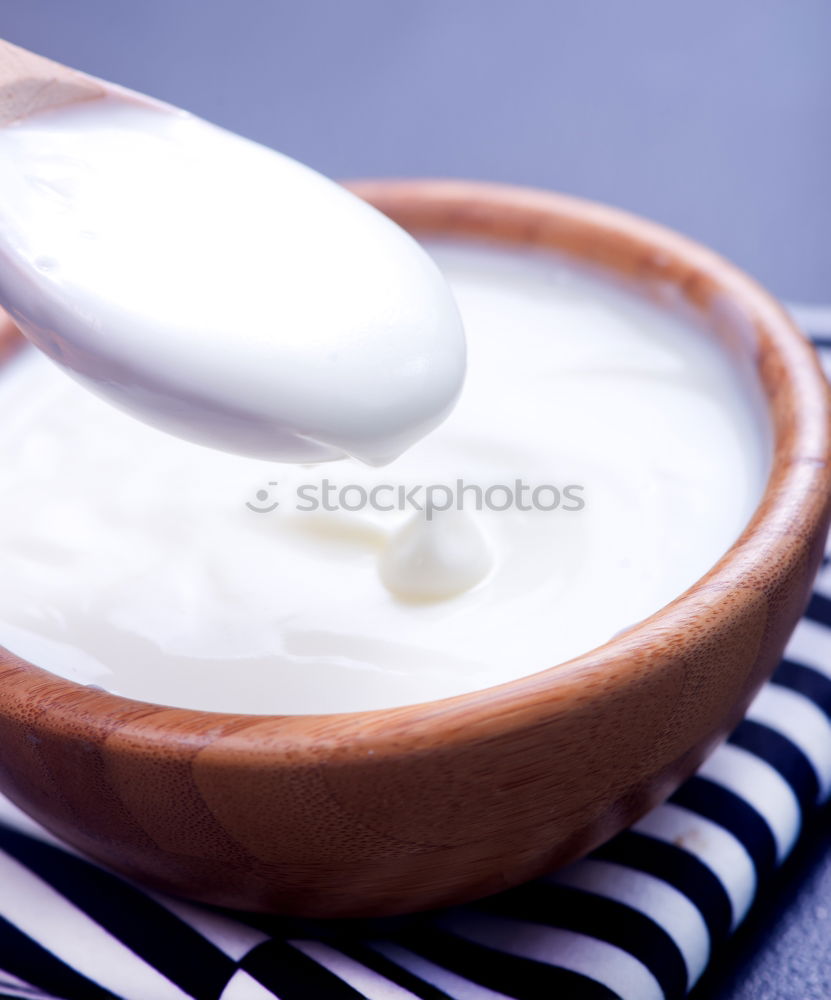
<point>218,289</point>
<point>135,561</point>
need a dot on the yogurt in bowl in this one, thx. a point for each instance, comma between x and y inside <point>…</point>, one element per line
<point>603,455</point>
<point>440,796</point>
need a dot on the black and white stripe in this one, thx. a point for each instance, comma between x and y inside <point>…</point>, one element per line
<point>639,919</point>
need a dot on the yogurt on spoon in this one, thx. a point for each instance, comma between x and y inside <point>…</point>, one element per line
<point>220,290</point>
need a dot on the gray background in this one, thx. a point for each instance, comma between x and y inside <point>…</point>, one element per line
<point>713,117</point>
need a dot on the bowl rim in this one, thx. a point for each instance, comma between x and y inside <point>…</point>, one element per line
<point>792,507</point>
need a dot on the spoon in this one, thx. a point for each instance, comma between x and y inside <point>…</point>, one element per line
<point>30,83</point>
<point>210,286</point>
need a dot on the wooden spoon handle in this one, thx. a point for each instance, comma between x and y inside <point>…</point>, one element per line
<point>30,83</point>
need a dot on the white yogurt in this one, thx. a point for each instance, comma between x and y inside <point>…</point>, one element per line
<point>218,289</point>
<point>435,558</point>
<point>139,563</point>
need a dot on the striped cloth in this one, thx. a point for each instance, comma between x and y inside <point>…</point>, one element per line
<point>639,919</point>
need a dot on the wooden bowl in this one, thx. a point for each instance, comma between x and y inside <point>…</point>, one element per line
<point>391,811</point>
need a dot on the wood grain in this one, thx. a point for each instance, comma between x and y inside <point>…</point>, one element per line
<point>31,83</point>
<point>11,339</point>
<point>391,811</point>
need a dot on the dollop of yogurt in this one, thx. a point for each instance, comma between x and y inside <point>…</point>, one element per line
<point>437,558</point>
<point>219,290</point>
